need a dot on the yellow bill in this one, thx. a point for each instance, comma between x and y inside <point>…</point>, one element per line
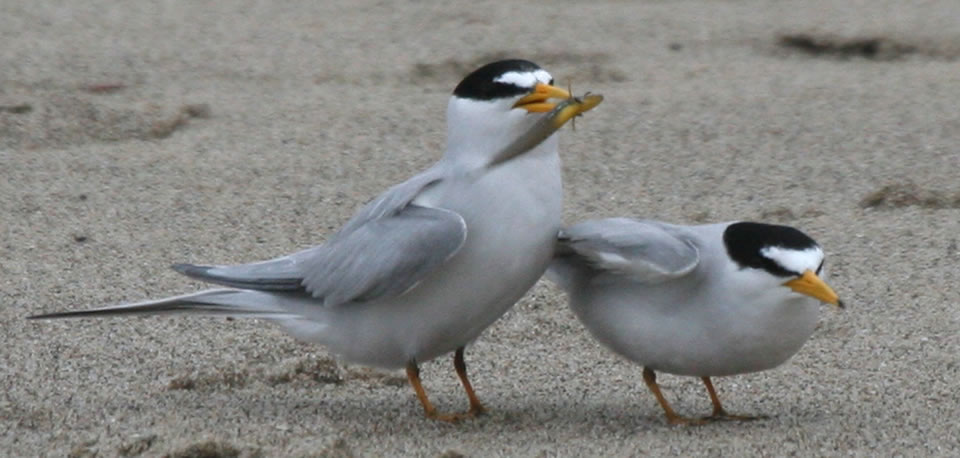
<point>538,100</point>
<point>558,115</point>
<point>810,284</point>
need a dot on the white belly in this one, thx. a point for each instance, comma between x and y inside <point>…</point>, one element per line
<point>697,337</point>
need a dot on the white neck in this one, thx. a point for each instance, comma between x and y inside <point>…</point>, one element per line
<point>477,130</point>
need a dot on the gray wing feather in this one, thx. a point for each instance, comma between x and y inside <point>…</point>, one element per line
<point>385,256</point>
<point>286,273</point>
<point>279,274</point>
<point>645,251</point>
<point>393,200</point>
<point>385,249</point>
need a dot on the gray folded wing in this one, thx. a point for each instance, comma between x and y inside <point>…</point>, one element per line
<point>384,257</point>
<point>645,251</point>
<point>279,274</point>
<point>388,247</point>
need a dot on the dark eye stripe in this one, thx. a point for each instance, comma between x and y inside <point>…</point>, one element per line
<point>820,268</point>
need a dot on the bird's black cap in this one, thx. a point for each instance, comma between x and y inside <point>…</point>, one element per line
<point>745,242</point>
<point>480,84</point>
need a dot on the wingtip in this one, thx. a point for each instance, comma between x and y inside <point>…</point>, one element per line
<point>181,267</point>
<point>51,316</point>
<point>190,270</point>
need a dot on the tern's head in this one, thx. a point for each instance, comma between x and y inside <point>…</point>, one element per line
<point>779,256</point>
<point>496,104</point>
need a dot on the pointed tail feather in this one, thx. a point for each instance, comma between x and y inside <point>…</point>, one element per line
<point>222,302</point>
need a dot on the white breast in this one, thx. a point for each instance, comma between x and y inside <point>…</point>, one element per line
<point>512,214</point>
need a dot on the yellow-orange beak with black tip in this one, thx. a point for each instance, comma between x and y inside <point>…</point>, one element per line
<point>538,100</point>
<point>810,284</point>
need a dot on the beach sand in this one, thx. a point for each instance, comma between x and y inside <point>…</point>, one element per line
<point>134,135</point>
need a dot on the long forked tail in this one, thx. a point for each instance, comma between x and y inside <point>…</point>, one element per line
<point>223,302</point>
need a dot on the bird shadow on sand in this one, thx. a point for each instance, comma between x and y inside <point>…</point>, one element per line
<point>401,415</point>
<point>607,417</point>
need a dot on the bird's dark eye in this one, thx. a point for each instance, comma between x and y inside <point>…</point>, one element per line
<point>551,81</point>
<point>820,268</point>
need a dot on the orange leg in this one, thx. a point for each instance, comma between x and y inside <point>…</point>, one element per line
<point>718,412</point>
<point>476,408</point>
<point>650,378</point>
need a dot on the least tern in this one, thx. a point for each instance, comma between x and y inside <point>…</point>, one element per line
<point>706,301</point>
<point>424,268</point>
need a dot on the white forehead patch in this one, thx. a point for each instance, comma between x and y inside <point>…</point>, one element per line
<point>795,260</point>
<point>524,79</point>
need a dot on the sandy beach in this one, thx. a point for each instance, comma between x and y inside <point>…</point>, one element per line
<point>138,135</point>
